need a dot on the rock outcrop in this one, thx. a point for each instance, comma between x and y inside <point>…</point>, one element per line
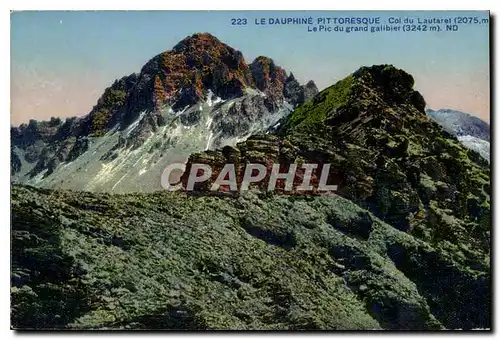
<point>297,94</point>
<point>388,157</point>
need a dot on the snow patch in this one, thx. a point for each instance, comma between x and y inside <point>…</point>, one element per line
<point>64,164</point>
<point>39,176</point>
<point>476,144</point>
<point>209,98</point>
<point>211,134</point>
<point>137,161</point>
<point>287,105</point>
<point>134,124</point>
<point>119,181</point>
<point>178,113</point>
<point>209,122</point>
<point>113,130</point>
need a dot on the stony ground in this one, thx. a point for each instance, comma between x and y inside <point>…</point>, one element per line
<point>170,261</point>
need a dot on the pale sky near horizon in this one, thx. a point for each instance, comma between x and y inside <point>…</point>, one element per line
<point>61,62</point>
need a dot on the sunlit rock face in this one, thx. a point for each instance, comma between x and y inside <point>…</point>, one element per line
<point>200,95</point>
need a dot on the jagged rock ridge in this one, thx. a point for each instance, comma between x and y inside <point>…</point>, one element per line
<point>388,157</point>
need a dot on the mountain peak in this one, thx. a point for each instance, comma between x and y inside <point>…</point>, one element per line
<point>395,85</point>
<point>182,76</point>
<point>179,86</point>
<point>198,41</point>
<point>364,92</point>
<point>385,76</point>
<point>196,65</point>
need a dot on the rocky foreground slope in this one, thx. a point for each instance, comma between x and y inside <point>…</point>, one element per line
<point>404,245</point>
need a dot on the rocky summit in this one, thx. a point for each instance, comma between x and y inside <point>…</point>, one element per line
<point>390,159</point>
<point>200,95</point>
<point>404,244</point>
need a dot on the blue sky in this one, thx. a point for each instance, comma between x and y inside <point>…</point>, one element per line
<point>62,61</point>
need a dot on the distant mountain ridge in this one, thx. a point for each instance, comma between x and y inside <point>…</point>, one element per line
<point>199,95</point>
<point>473,132</point>
<point>460,123</point>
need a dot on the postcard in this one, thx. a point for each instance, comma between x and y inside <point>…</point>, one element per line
<point>250,170</point>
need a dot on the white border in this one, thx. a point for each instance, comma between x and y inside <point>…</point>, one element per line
<point>254,5</point>
<point>195,5</point>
